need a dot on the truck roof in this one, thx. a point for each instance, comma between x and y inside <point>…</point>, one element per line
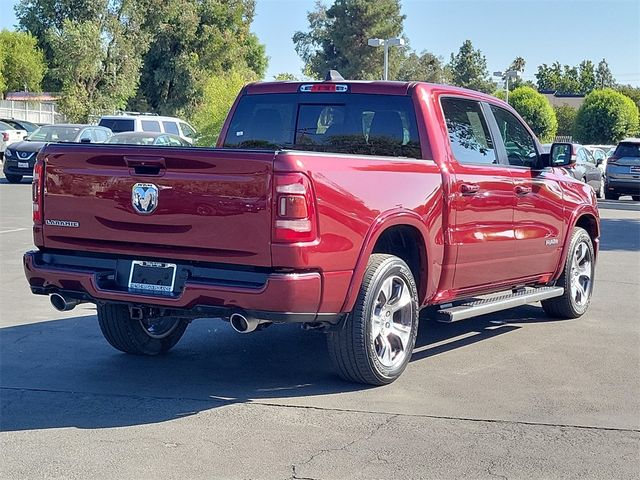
<point>363,86</point>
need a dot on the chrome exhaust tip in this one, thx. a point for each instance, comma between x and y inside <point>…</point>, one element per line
<point>63,304</point>
<point>243,324</point>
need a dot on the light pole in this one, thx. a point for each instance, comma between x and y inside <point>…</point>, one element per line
<point>389,42</point>
<point>506,76</point>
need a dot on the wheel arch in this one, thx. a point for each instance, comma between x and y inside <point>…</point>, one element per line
<point>388,234</point>
<point>588,219</point>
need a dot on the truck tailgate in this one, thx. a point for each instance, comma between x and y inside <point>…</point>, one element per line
<point>212,205</point>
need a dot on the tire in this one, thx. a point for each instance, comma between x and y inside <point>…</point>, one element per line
<point>635,198</point>
<point>600,193</point>
<point>611,195</point>
<point>131,336</point>
<point>372,352</point>
<point>13,178</point>
<point>577,279</point>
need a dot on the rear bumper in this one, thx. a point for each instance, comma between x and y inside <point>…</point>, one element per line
<point>201,290</point>
<point>628,186</point>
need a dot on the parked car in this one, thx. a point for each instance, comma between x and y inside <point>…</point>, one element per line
<point>8,135</point>
<point>623,171</point>
<point>384,198</point>
<point>600,153</point>
<point>148,138</point>
<point>584,167</point>
<point>20,157</point>
<point>138,122</point>
<point>20,124</point>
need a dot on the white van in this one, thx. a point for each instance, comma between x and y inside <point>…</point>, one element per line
<point>148,122</point>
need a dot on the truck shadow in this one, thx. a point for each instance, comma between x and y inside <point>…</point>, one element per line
<point>62,373</point>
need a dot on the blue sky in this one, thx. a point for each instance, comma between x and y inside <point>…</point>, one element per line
<point>539,31</point>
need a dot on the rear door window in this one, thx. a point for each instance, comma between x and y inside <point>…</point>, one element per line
<point>469,135</point>
<point>150,126</point>
<point>171,127</point>
<point>118,125</point>
<point>365,124</point>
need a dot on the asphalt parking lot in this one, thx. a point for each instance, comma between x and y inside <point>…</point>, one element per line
<point>511,395</point>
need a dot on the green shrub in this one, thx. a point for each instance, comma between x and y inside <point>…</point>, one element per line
<point>566,116</point>
<point>537,112</point>
<point>606,117</point>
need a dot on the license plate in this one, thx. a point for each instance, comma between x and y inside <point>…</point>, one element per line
<point>154,278</point>
<point>635,169</point>
<point>23,164</point>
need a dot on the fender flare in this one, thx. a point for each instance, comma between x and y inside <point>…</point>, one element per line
<point>583,210</point>
<point>384,221</point>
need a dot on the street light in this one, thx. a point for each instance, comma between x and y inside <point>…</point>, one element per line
<point>506,76</point>
<point>389,42</point>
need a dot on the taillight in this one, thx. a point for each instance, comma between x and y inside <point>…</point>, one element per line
<point>294,213</point>
<point>37,188</point>
<point>5,137</point>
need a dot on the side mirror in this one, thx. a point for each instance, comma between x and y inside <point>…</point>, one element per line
<point>599,161</point>
<point>560,155</point>
<point>85,140</point>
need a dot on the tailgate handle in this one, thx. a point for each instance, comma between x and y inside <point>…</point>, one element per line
<point>145,165</point>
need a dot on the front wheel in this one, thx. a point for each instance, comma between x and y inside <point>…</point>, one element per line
<point>139,337</point>
<point>374,344</point>
<point>576,278</point>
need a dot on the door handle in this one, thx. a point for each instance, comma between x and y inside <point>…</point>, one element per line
<point>469,188</point>
<point>522,189</point>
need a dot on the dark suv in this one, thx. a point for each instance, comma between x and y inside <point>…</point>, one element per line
<point>623,171</point>
<point>20,157</point>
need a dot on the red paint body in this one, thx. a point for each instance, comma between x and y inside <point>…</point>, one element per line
<point>216,206</point>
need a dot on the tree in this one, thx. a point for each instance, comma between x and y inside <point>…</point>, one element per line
<point>191,42</point>
<point>98,62</point>
<point>469,69</point>
<point>586,76</point>
<point>40,17</point>
<point>22,64</point>
<point>606,117</point>
<point>632,92</point>
<point>566,116</point>
<point>517,65</point>
<point>284,76</point>
<point>424,67</point>
<point>537,112</point>
<point>219,93</point>
<point>337,38</point>
<point>604,77</point>
<point>549,77</point>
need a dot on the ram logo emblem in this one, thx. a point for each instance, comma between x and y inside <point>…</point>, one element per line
<point>144,198</point>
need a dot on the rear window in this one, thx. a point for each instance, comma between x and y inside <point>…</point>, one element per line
<point>363,124</point>
<point>118,125</point>
<point>627,150</point>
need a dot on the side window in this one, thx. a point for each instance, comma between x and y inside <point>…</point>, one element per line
<point>101,135</point>
<point>468,132</point>
<point>187,131</point>
<point>590,158</point>
<point>150,126</point>
<point>520,145</point>
<point>582,157</point>
<point>87,133</point>
<point>171,127</point>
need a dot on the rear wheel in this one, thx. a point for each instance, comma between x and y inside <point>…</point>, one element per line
<point>611,195</point>
<point>139,337</point>
<point>577,279</point>
<point>600,191</point>
<point>13,178</point>
<point>375,343</point>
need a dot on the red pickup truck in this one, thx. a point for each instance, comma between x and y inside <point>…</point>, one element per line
<point>346,206</point>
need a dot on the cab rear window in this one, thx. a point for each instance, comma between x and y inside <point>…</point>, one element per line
<point>363,124</point>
